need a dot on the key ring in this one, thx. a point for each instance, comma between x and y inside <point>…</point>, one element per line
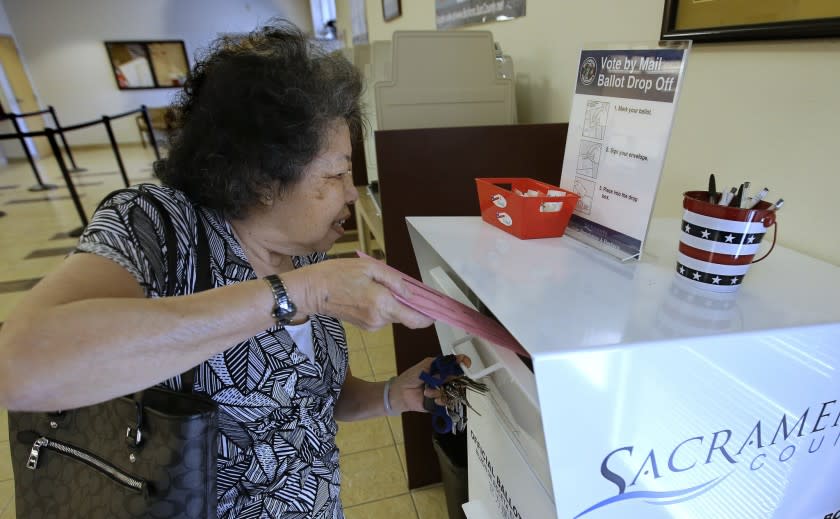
<point>442,368</point>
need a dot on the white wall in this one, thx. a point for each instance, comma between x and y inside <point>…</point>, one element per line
<point>5,26</point>
<point>765,112</point>
<point>62,44</point>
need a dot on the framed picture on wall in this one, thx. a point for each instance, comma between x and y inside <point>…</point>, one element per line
<point>724,20</point>
<point>391,9</point>
<point>148,64</point>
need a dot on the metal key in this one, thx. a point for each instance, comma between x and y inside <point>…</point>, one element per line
<point>454,396</point>
<point>446,375</point>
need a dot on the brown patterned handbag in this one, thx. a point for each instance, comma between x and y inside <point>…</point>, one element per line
<point>150,455</point>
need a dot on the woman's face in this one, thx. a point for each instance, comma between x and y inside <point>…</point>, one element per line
<point>310,215</point>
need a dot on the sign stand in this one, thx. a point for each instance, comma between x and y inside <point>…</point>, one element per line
<point>622,114</point>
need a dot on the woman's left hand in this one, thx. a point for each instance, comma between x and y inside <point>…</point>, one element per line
<point>407,390</point>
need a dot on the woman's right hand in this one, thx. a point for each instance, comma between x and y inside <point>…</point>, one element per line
<point>359,291</point>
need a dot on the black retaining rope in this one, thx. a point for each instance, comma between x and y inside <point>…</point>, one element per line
<point>17,116</point>
<point>51,110</point>
<point>42,133</point>
<point>49,133</point>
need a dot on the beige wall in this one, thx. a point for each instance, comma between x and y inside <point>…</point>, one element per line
<point>764,112</point>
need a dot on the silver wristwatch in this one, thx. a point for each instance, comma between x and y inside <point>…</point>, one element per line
<point>284,309</point>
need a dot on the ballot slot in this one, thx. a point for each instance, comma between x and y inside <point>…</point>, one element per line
<point>443,282</point>
<point>513,391</point>
<point>489,356</point>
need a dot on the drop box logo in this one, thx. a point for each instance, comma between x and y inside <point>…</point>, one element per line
<point>630,467</point>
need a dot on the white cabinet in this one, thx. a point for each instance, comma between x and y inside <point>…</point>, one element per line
<point>648,398</point>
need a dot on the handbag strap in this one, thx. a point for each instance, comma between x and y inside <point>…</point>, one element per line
<point>203,277</point>
<point>203,281</point>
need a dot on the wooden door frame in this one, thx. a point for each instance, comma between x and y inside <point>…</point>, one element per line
<point>41,145</point>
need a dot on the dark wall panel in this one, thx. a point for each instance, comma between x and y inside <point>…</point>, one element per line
<point>431,172</point>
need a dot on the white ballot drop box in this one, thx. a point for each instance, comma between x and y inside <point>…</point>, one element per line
<point>644,397</point>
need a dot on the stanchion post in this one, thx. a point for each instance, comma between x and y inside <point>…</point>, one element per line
<point>60,132</point>
<point>151,131</point>
<point>41,185</point>
<point>70,187</point>
<point>116,148</point>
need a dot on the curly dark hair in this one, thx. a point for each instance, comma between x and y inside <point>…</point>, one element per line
<point>253,113</point>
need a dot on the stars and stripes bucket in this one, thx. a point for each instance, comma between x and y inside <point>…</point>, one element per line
<point>718,243</point>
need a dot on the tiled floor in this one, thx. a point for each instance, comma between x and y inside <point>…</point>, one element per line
<point>32,243</point>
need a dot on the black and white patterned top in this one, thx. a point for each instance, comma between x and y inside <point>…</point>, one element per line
<point>277,452</point>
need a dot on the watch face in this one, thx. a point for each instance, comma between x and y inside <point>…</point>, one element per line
<point>286,311</point>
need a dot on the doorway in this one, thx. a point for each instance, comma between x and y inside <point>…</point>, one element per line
<point>20,95</point>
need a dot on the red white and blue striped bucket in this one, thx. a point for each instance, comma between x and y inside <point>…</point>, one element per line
<point>717,243</point>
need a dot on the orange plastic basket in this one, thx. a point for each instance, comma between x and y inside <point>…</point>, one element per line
<point>525,217</point>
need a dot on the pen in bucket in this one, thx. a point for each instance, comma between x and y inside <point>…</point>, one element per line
<point>712,189</point>
<point>724,196</point>
<point>736,200</point>
<point>757,198</point>
<point>745,196</point>
<point>777,205</point>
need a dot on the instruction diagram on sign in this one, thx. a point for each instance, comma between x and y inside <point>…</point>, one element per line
<point>586,190</point>
<point>589,158</point>
<point>589,152</point>
<point>595,120</point>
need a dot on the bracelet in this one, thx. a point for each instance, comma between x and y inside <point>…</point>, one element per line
<point>386,399</point>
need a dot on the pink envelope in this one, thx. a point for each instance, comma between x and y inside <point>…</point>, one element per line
<point>440,307</point>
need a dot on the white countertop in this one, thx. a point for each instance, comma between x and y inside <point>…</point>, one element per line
<point>557,295</point>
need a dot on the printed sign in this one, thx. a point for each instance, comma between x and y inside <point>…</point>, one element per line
<point>619,128</point>
<point>458,13</point>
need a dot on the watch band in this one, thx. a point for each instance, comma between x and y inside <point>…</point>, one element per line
<point>284,309</point>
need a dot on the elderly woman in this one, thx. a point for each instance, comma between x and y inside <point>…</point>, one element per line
<point>261,164</point>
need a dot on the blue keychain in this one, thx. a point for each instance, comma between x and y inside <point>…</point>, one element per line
<point>446,374</point>
<point>442,368</point>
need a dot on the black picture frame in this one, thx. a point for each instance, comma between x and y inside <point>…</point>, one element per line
<point>391,9</point>
<point>148,64</point>
<point>793,29</point>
